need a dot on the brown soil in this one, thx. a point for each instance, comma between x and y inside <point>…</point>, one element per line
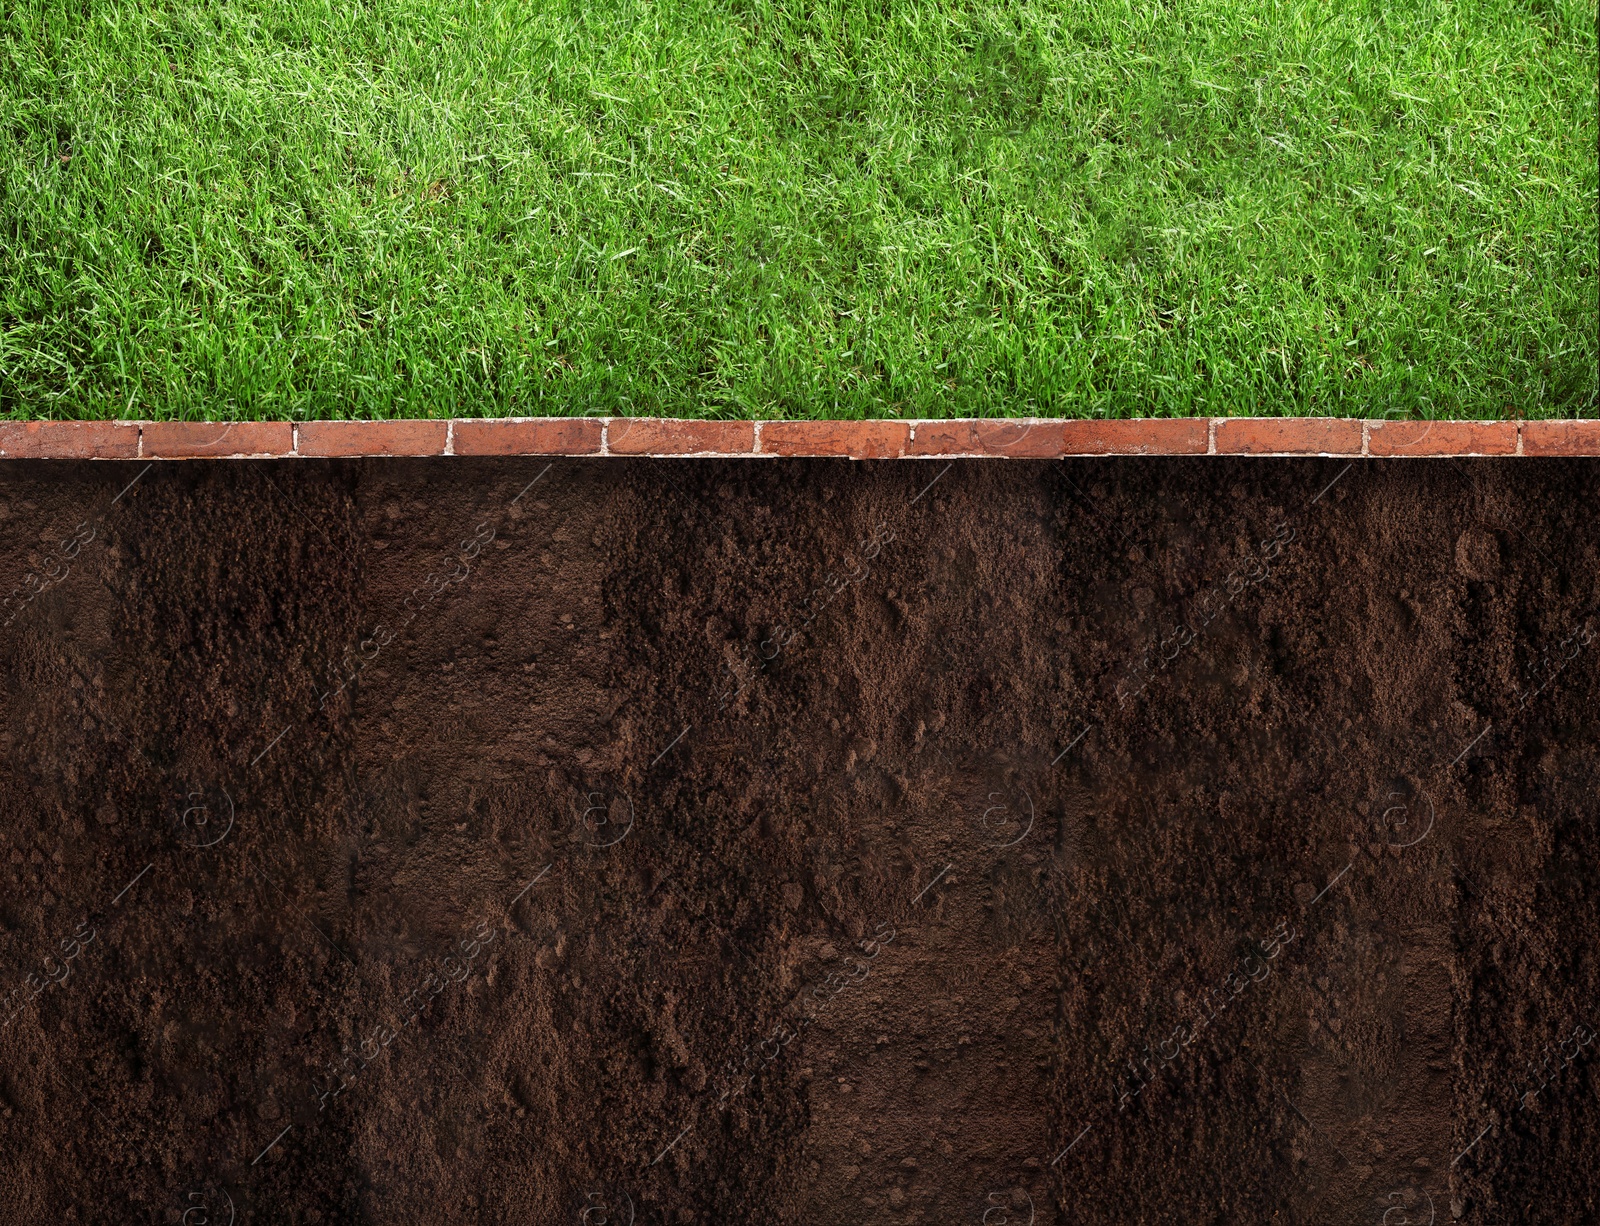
<point>795,842</point>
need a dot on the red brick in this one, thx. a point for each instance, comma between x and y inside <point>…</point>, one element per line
<point>177,440</point>
<point>1288,436</point>
<point>372,438</point>
<point>69,440</point>
<point>528,436</point>
<point>1015,438</point>
<point>860,440</point>
<point>1561,438</point>
<point>1442,438</point>
<point>1137,436</point>
<point>666,436</point>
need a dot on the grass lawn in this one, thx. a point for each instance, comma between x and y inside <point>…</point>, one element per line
<point>319,208</point>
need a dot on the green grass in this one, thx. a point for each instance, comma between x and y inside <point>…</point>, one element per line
<point>316,208</point>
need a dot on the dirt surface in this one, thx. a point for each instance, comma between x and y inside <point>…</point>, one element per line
<point>800,842</point>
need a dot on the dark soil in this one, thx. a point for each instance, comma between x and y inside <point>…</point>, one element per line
<point>795,842</point>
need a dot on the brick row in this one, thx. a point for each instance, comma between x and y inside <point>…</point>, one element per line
<point>1014,438</point>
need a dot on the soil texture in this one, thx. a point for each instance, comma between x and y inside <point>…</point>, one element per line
<point>805,842</point>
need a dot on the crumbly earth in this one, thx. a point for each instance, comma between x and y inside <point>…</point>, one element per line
<point>1200,841</point>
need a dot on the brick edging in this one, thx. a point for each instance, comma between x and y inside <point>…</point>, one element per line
<point>1014,438</point>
